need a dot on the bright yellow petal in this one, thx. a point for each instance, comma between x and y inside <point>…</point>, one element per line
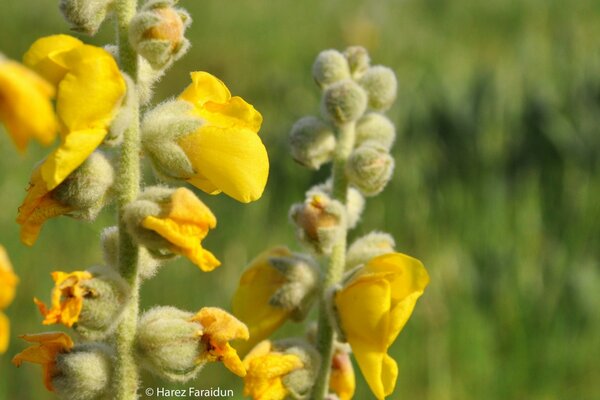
<point>23,94</point>
<point>236,113</point>
<point>205,87</point>
<point>342,380</point>
<point>274,365</point>
<point>220,325</point>
<point>41,56</point>
<point>232,361</point>
<point>8,280</point>
<point>201,257</point>
<point>234,160</point>
<point>379,369</point>
<point>4,332</point>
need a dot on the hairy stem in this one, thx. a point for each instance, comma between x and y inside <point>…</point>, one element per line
<point>337,261</point>
<point>126,371</point>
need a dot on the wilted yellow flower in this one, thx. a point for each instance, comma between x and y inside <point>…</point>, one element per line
<point>185,224</point>
<point>342,381</point>
<point>251,301</point>
<point>48,346</point>
<point>226,151</point>
<point>83,75</point>
<point>67,298</point>
<point>219,328</point>
<point>8,283</point>
<point>24,94</point>
<point>373,307</point>
<point>265,370</point>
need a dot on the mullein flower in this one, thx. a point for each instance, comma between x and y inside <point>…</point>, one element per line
<point>172,221</point>
<point>373,307</point>
<point>67,298</point>
<point>218,147</point>
<point>47,347</point>
<point>82,74</point>
<point>342,381</point>
<point>24,94</point>
<point>8,283</point>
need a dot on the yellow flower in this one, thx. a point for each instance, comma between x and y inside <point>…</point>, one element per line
<point>67,298</point>
<point>185,224</point>
<point>373,307</point>
<point>219,328</point>
<point>48,346</point>
<point>8,283</point>
<point>22,95</point>
<point>251,301</point>
<point>265,371</point>
<point>226,151</point>
<point>83,75</point>
<point>342,380</point>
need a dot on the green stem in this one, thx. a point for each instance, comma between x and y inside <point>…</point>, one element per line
<point>126,376</point>
<point>337,261</point>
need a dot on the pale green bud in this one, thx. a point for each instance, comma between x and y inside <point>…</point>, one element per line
<point>300,290</point>
<point>358,60</point>
<point>157,33</point>
<point>300,381</point>
<point>85,16</point>
<point>122,120</point>
<point>330,67</point>
<point>381,85</point>
<point>107,295</point>
<point>369,169</point>
<point>320,221</point>
<point>86,190</point>
<point>377,129</point>
<point>367,247</point>
<point>355,202</point>
<point>344,101</point>
<point>312,142</point>
<point>168,343</point>
<point>84,373</point>
<point>161,129</point>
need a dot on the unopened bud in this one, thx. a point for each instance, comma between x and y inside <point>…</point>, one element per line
<point>330,67</point>
<point>168,343</point>
<point>375,128</point>
<point>358,60</point>
<point>312,142</point>
<point>157,32</point>
<point>84,373</point>
<point>367,247</point>
<point>344,101</point>
<point>355,202</point>
<point>85,16</point>
<point>381,85</point>
<point>86,190</point>
<point>369,169</point>
<point>300,381</point>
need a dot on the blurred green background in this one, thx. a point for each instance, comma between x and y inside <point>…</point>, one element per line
<point>496,187</point>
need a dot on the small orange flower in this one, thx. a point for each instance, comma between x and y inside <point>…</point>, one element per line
<point>342,381</point>
<point>47,347</point>
<point>67,298</point>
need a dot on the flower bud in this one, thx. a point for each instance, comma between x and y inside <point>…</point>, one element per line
<point>369,169</point>
<point>300,381</point>
<point>344,101</point>
<point>358,60</point>
<point>167,342</point>
<point>375,128</point>
<point>381,85</point>
<point>320,221</point>
<point>86,190</point>
<point>312,142</point>
<point>355,202</point>
<point>85,16</point>
<point>84,373</point>
<point>330,67</point>
<point>157,32</point>
<point>367,247</point>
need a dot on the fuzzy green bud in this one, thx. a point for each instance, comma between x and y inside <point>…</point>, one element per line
<point>84,373</point>
<point>369,169</point>
<point>86,190</point>
<point>358,60</point>
<point>107,295</point>
<point>157,33</point>
<point>344,101</point>
<point>377,129</point>
<point>320,221</point>
<point>381,85</point>
<point>161,129</point>
<point>300,381</point>
<point>367,247</point>
<point>312,142</point>
<point>85,16</point>
<point>168,343</point>
<point>330,67</point>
